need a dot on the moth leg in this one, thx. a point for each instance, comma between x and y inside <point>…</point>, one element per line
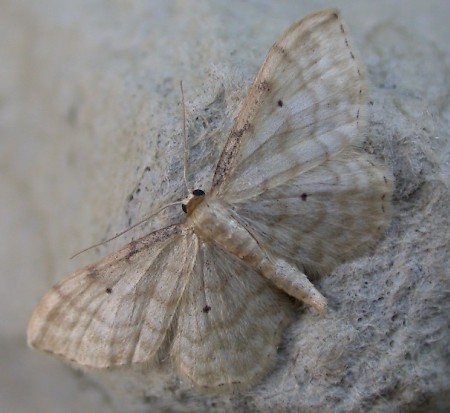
<point>293,282</point>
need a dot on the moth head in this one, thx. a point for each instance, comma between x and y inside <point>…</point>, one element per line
<point>192,201</point>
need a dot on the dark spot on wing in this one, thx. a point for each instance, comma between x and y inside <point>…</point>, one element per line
<point>131,249</point>
<point>280,103</point>
<point>92,273</point>
<point>236,382</point>
<point>108,290</point>
<point>279,49</point>
<point>304,196</point>
<point>239,132</point>
<point>206,309</point>
<point>264,85</point>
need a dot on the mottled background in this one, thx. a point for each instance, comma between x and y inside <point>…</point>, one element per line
<point>90,140</point>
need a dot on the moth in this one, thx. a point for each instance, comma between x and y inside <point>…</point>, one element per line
<point>293,194</point>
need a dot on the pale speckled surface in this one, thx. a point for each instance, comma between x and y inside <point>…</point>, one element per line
<point>89,98</point>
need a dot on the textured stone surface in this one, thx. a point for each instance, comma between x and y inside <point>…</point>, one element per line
<point>91,140</point>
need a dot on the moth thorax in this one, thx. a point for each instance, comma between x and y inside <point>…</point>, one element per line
<point>193,201</point>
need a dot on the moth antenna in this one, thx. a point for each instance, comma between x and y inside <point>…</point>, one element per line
<point>126,230</point>
<point>185,160</point>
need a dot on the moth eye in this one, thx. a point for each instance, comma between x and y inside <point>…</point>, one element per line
<point>198,192</point>
<point>184,208</point>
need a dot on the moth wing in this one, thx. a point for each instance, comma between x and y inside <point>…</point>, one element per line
<point>329,214</point>
<point>305,106</point>
<point>229,324</point>
<point>117,311</point>
<point>291,168</point>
